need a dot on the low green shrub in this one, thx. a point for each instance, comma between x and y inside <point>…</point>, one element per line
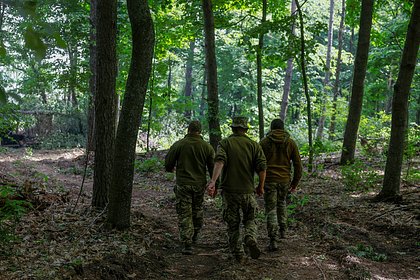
<point>11,209</point>
<point>152,164</point>
<point>367,252</point>
<point>359,176</point>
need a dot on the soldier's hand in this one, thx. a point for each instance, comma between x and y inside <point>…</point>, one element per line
<point>211,189</point>
<point>292,189</point>
<point>260,190</point>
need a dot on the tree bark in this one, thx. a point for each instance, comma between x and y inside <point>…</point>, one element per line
<point>391,185</point>
<point>106,66</point>
<point>203,93</point>
<point>92,79</point>
<point>336,88</point>
<point>211,65</point>
<point>321,122</point>
<point>289,73</point>
<point>189,80</point>
<point>143,37</point>
<point>305,84</point>
<point>360,65</point>
<point>259,72</point>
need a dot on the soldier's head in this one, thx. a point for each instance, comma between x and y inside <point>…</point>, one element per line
<point>239,124</point>
<point>277,124</point>
<point>194,127</point>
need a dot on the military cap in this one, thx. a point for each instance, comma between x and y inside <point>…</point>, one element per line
<point>240,122</point>
<point>194,126</point>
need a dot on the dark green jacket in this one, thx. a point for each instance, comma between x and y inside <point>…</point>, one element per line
<point>280,150</point>
<point>241,157</point>
<point>191,156</point>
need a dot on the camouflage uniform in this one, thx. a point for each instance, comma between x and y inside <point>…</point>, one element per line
<point>280,150</point>
<point>241,157</point>
<point>191,156</point>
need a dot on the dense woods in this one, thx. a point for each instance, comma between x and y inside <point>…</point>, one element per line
<point>120,80</point>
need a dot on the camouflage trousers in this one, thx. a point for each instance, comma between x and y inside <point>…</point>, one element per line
<point>233,205</point>
<point>189,207</point>
<point>275,207</point>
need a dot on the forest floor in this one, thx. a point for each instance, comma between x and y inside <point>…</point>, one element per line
<point>334,232</point>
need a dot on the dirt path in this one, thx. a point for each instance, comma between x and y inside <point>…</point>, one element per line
<point>333,235</point>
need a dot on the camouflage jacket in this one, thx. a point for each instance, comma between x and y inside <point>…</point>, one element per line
<point>241,157</point>
<point>280,150</point>
<point>191,156</point>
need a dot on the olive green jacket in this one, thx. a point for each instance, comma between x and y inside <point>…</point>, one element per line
<point>191,156</point>
<point>241,157</point>
<point>280,150</point>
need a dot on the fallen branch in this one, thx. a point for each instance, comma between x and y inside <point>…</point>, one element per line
<point>319,267</point>
<point>374,218</point>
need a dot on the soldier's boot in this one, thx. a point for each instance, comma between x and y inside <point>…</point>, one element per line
<point>282,231</point>
<point>195,236</point>
<point>254,251</point>
<point>273,245</point>
<point>241,259</point>
<point>187,250</point>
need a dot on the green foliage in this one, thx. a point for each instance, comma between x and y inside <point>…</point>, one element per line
<point>375,133</point>
<point>359,176</point>
<point>60,140</point>
<point>411,151</point>
<point>367,252</point>
<point>11,209</point>
<point>153,164</point>
<point>297,202</point>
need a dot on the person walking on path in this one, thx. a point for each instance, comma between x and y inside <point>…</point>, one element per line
<point>190,157</point>
<point>239,157</point>
<point>280,151</point>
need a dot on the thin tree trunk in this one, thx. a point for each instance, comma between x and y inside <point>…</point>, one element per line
<point>336,88</point>
<point>72,51</point>
<point>321,122</point>
<point>151,95</point>
<point>360,65</point>
<point>106,66</point>
<point>92,78</point>
<point>203,93</point>
<point>211,65</point>
<point>289,73</point>
<point>259,73</point>
<point>391,185</point>
<point>135,92</point>
<point>189,80</point>
<point>305,84</point>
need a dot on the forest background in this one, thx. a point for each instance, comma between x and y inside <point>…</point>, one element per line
<point>297,60</point>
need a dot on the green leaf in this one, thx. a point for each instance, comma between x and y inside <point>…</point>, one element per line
<point>29,7</point>
<point>3,97</point>
<point>2,49</point>
<point>33,41</point>
<point>60,42</point>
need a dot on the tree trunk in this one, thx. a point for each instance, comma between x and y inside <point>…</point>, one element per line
<point>321,122</point>
<point>92,78</point>
<point>211,65</point>
<point>259,72</point>
<point>360,64</point>
<point>391,185</point>
<point>305,84</point>
<point>289,73</point>
<point>189,80</point>
<point>132,109</point>
<point>106,66</point>
<point>203,93</point>
<point>72,51</point>
<point>336,87</point>
<point>151,96</point>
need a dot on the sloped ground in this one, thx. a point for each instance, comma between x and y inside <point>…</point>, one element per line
<point>334,234</point>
